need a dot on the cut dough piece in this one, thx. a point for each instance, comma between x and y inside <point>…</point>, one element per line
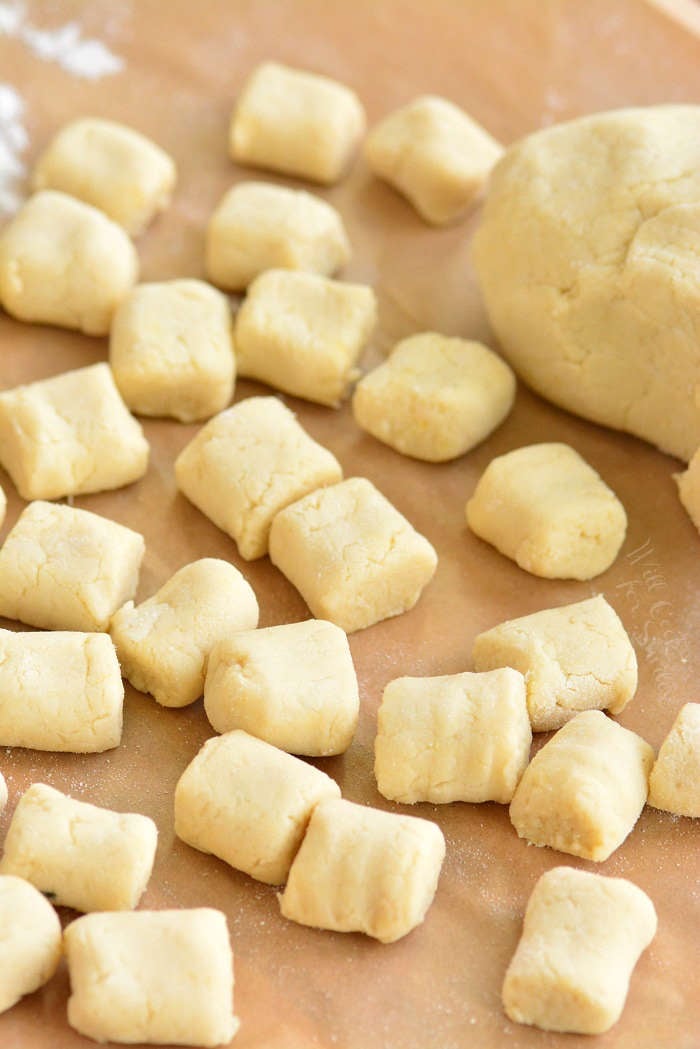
<point>435,154</point>
<point>296,122</point>
<point>70,435</point>
<point>363,870</point>
<point>247,464</point>
<point>152,976</point>
<point>63,262</point>
<point>163,644</point>
<point>60,691</point>
<point>303,334</point>
<point>67,569</point>
<point>689,489</point>
<point>582,936</point>
<point>77,854</point>
<point>111,167</point>
<point>30,945</point>
<point>293,685</point>
<point>353,557</point>
<point>462,737</point>
<point>259,226</point>
<point>435,397</point>
<point>248,803</point>
<point>3,506</point>
<point>171,350</point>
<point>674,784</point>
<point>3,792</point>
<point>575,657</point>
<point>591,284</point>
<point>583,791</point>
<point>548,510</point>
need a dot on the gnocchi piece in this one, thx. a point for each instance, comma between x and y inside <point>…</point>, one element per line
<point>62,568</point>
<point>548,510</point>
<point>363,870</point>
<point>110,166</point>
<point>248,803</point>
<point>63,262</point>
<point>163,644</point>
<point>247,464</point>
<point>674,784</point>
<point>303,334</point>
<point>353,557</point>
<point>258,226</point>
<point>3,506</point>
<point>436,155</point>
<point>77,854</point>
<point>296,122</point>
<point>689,488</point>
<point>70,435</point>
<point>61,691</point>
<point>30,945</point>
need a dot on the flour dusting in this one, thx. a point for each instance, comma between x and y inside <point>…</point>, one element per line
<point>13,142</point>
<point>64,45</point>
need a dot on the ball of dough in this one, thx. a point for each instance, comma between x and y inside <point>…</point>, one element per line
<point>30,944</point>
<point>587,259</point>
<point>674,784</point>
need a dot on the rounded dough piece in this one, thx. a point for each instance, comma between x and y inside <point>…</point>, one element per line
<point>30,944</point>
<point>674,784</point>
<point>596,298</point>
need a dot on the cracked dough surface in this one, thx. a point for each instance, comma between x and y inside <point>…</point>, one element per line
<point>595,299</point>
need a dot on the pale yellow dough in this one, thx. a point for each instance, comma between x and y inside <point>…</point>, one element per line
<point>30,945</point>
<point>435,154</point>
<point>3,506</point>
<point>353,557</point>
<point>303,334</point>
<point>548,510</point>
<point>363,870</point>
<point>590,278</point>
<point>154,977</point>
<point>248,803</point>
<point>583,791</point>
<point>574,657</point>
<point>581,939</point>
<point>296,122</point>
<point>70,435</point>
<point>258,226</point>
<point>435,397</point>
<point>62,568</point>
<point>247,464</point>
<point>462,737</point>
<point>293,685</point>
<point>64,262</point>
<point>110,166</point>
<point>60,691</point>
<point>674,784</point>
<point>689,489</point>
<point>163,644</point>
<point>77,854</point>
<point>171,350</point>
<point>3,792</point>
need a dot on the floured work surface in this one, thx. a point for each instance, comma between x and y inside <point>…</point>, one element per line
<point>513,66</point>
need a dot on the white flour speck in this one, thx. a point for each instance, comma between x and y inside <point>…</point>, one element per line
<point>64,45</point>
<point>13,142</point>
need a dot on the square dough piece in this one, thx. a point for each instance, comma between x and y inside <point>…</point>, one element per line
<point>258,226</point>
<point>293,685</point>
<point>163,644</point>
<point>67,569</point>
<point>581,939</point>
<point>353,557</point>
<point>363,870</point>
<point>60,690</point>
<point>303,334</point>
<point>462,737</point>
<point>674,784</point>
<point>247,464</point>
<point>112,167</point>
<point>548,510</point>
<point>160,977</point>
<point>70,435</point>
<point>575,657</point>
<point>296,122</point>
<point>435,397</point>
<point>30,945</point>
<point>63,262</point>
<point>582,793</point>
<point>248,803</point>
<point>434,154</point>
<point>77,854</point>
<point>171,350</point>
